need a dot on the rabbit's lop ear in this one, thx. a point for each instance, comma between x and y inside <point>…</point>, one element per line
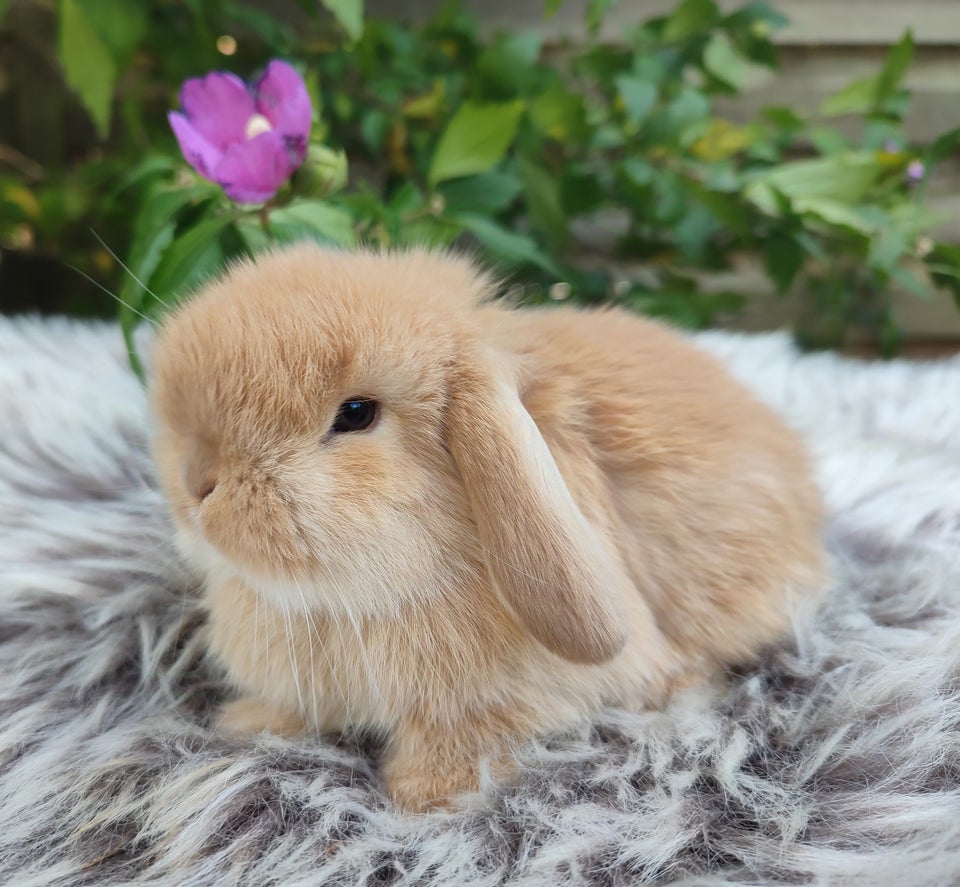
<point>551,566</point>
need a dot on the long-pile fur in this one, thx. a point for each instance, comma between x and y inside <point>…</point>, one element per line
<point>836,760</point>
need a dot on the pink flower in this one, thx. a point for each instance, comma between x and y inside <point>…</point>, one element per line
<point>248,140</point>
<point>915,171</point>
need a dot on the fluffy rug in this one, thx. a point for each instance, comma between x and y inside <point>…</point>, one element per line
<point>835,761</point>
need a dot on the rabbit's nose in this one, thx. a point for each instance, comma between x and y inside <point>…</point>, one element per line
<point>204,489</point>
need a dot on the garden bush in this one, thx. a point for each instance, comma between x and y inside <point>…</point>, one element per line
<point>586,171</point>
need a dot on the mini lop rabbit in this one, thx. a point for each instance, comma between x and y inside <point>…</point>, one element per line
<point>463,524</point>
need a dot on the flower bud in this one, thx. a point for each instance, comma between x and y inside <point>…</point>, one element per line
<point>323,172</point>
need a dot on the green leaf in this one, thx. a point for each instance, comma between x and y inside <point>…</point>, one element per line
<point>507,67</point>
<point>329,225</point>
<point>349,13</point>
<point>638,170</point>
<point>406,200</point>
<point>895,67</point>
<point>90,69</point>
<point>694,232</point>
<point>722,60</point>
<point>943,265</point>
<point>914,219</point>
<point>658,69</point>
<point>153,232</point>
<point>783,257</point>
<point>689,107</point>
<point>669,198</point>
<point>476,139</point>
<point>750,29</point>
<point>812,244</point>
<point>128,325</point>
<point>427,231</point>
<point>606,137</point>
<point>840,179</point>
<point>868,94</point>
<point>315,218</point>
<point>596,11</point>
<point>689,18</point>
<point>274,32</point>
<point>638,96</point>
<point>785,119</point>
<point>887,247</point>
<point>858,97</point>
<point>879,133</point>
<point>758,18</point>
<point>558,114</point>
<point>943,146</point>
<point>488,193</point>
<point>550,7</point>
<point>120,24</point>
<point>581,192</point>
<point>911,283</point>
<point>507,246</point>
<point>718,140</point>
<point>543,199</point>
<point>5,5</point>
<point>160,165</point>
<point>254,238</point>
<point>195,255</point>
<point>678,299</point>
<point>828,140</point>
<point>730,211</point>
<point>834,212</point>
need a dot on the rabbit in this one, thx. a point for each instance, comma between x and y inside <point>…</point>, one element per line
<point>425,512</point>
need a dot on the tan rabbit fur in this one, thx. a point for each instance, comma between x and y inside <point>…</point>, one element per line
<point>554,511</point>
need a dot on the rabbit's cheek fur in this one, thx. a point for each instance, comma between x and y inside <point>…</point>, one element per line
<point>247,520</point>
<point>348,526</point>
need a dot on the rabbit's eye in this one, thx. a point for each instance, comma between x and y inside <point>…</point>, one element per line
<point>356,415</point>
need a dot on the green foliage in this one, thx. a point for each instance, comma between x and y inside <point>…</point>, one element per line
<point>555,165</point>
<point>349,13</point>
<point>879,94</point>
<point>89,65</point>
<point>475,139</point>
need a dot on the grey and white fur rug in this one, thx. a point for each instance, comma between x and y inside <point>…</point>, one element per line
<point>834,761</point>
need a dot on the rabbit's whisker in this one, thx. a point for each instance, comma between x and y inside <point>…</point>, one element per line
<point>292,654</point>
<point>126,268</point>
<point>112,294</point>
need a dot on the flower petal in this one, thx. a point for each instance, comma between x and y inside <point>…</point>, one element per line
<point>219,106</point>
<point>252,171</point>
<point>199,153</point>
<point>282,98</point>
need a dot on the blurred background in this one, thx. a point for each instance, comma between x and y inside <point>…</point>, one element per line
<point>716,163</point>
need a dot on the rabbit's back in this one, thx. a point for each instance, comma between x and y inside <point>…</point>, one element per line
<point>709,494</point>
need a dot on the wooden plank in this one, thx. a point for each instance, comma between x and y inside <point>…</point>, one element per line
<point>813,22</point>
<point>870,22</point>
